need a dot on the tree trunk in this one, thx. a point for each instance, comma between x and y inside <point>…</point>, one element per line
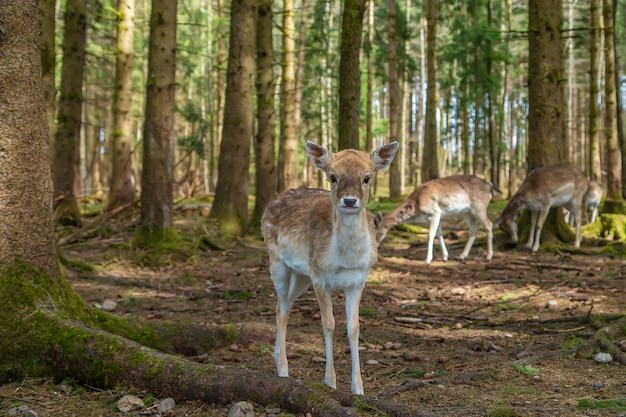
<point>266,178</point>
<point>545,84</point>
<point>156,178</point>
<point>614,202</point>
<point>122,187</point>
<point>395,101</point>
<point>430,162</point>
<point>288,151</point>
<point>47,22</point>
<point>67,136</point>
<point>350,74</point>
<point>593,163</point>
<point>230,206</point>
<point>369,51</point>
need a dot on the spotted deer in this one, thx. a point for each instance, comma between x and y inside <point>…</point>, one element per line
<point>326,239</point>
<point>544,188</point>
<point>433,200</point>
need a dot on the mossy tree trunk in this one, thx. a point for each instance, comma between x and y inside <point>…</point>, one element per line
<point>266,178</point>
<point>67,135</point>
<point>230,206</point>
<point>156,175</point>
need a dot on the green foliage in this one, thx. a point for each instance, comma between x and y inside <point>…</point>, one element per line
<point>236,294</point>
<point>525,369</point>
<point>592,403</point>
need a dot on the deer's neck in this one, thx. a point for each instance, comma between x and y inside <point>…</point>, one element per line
<point>351,241</point>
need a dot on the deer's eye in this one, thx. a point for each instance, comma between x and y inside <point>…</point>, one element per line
<point>366,180</point>
<point>333,179</point>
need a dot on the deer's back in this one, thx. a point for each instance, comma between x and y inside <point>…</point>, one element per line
<point>554,185</point>
<point>453,194</point>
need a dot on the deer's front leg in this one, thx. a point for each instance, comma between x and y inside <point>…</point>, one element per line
<point>533,224</point>
<point>328,327</point>
<point>543,215</point>
<point>353,299</point>
<point>432,232</point>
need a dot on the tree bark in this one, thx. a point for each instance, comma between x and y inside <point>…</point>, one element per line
<point>230,206</point>
<point>395,108</point>
<point>67,135</point>
<point>266,178</point>
<point>593,161</point>
<point>156,178</point>
<point>122,187</point>
<point>613,156</point>
<point>288,165</point>
<point>545,84</point>
<point>350,74</point>
<point>47,23</point>
<point>430,162</point>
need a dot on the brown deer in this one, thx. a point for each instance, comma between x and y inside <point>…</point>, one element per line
<point>433,200</point>
<point>591,201</point>
<point>326,239</point>
<point>544,188</point>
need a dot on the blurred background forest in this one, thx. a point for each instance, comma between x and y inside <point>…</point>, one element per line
<point>477,53</point>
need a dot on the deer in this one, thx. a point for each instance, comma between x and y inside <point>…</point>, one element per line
<point>325,239</point>
<point>591,201</point>
<point>544,188</point>
<point>435,199</point>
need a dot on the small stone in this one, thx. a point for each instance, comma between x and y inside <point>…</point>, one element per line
<point>458,326</point>
<point>603,357</point>
<point>30,413</point>
<point>166,405</point>
<point>457,291</point>
<point>109,305</point>
<point>597,384</point>
<point>241,409</point>
<point>318,359</point>
<point>388,345</point>
<point>372,362</point>
<point>551,304</point>
<point>396,346</point>
<point>129,403</point>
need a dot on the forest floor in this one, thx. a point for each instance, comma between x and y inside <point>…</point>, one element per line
<point>457,339</point>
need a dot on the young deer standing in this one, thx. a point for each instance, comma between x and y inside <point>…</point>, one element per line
<point>591,201</point>
<point>328,240</point>
<point>429,202</point>
<point>544,188</point>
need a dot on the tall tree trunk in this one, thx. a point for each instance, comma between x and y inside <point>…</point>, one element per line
<point>491,122</point>
<point>350,73</point>
<point>266,178</point>
<point>369,51</point>
<point>430,162</point>
<point>545,88</point>
<point>594,169</point>
<point>621,135</point>
<point>156,178</point>
<point>25,194</point>
<point>613,158</point>
<point>395,102</point>
<point>67,135</point>
<point>571,85</point>
<point>47,24</point>
<point>122,187</point>
<point>288,150</point>
<point>230,207</point>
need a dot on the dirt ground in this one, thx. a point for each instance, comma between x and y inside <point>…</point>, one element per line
<point>458,339</point>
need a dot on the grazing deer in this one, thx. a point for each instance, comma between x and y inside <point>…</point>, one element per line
<point>544,188</point>
<point>326,239</point>
<point>433,200</point>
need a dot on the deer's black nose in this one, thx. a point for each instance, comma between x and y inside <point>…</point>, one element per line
<point>349,202</point>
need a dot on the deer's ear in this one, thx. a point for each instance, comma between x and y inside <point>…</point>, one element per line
<point>384,155</point>
<point>318,155</point>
